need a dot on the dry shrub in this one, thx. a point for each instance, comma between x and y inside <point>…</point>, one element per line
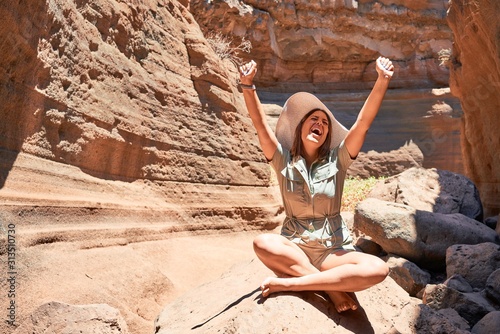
<point>225,48</point>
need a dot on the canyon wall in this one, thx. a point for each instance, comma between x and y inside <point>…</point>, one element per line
<point>330,44</point>
<point>326,46</point>
<point>124,93</point>
<point>131,100</point>
<point>475,79</point>
<point>120,124</point>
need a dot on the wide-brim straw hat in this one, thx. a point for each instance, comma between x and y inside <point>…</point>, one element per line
<point>295,108</point>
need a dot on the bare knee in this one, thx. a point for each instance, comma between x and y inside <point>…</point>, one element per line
<point>379,269</point>
<point>374,269</point>
<point>264,243</point>
<point>282,256</point>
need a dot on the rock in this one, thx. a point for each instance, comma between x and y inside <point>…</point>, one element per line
<point>471,306</point>
<point>458,282</point>
<point>455,318</point>
<point>272,112</point>
<point>475,79</point>
<point>432,321</point>
<point>419,236</point>
<point>493,286</point>
<point>491,222</point>
<point>407,274</point>
<point>55,317</point>
<point>233,304</point>
<point>432,190</point>
<point>331,45</point>
<point>367,245</point>
<point>384,164</point>
<point>473,262</point>
<point>440,109</point>
<point>498,225</point>
<point>125,93</point>
<point>489,324</point>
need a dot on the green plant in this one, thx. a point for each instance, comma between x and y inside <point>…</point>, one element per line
<point>355,190</point>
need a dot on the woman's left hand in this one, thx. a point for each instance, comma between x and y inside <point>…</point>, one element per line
<point>385,67</point>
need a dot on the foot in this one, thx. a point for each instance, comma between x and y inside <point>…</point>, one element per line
<point>342,301</point>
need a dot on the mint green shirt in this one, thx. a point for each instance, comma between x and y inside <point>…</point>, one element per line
<point>312,198</point>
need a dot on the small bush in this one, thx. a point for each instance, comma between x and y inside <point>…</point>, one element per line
<point>223,47</point>
<point>355,190</point>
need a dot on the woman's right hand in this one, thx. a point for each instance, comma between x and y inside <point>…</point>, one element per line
<point>247,72</point>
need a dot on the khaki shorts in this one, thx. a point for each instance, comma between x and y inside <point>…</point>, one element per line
<point>317,253</point>
<point>318,238</point>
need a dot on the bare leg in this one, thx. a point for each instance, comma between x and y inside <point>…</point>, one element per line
<point>341,271</point>
<point>288,261</point>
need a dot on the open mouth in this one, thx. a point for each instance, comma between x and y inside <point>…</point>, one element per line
<point>316,131</point>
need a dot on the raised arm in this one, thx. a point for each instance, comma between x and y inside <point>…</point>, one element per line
<point>356,135</point>
<point>267,138</point>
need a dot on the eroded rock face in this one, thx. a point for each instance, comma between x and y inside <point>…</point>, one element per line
<point>475,79</point>
<point>112,89</point>
<point>122,91</point>
<point>384,164</point>
<point>330,44</point>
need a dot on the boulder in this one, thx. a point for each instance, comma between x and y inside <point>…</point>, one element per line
<point>490,323</point>
<point>55,317</point>
<point>419,236</point>
<point>367,245</point>
<point>407,274</point>
<point>473,262</point>
<point>491,222</point>
<point>432,321</point>
<point>459,283</point>
<point>441,108</point>
<point>384,164</point>
<point>471,306</point>
<point>455,318</point>
<point>493,286</point>
<point>432,190</point>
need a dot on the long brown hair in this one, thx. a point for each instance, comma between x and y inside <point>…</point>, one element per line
<point>324,150</point>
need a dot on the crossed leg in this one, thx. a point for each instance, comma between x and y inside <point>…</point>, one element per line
<point>339,273</point>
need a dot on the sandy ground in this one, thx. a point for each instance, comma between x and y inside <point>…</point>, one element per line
<point>139,278</point>
<point>132,245</point>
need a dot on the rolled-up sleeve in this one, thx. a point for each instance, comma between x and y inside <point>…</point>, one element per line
<point>344,159</point>
<point>279,159</point>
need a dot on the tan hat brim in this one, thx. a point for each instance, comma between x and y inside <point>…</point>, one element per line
<point>295,108</point>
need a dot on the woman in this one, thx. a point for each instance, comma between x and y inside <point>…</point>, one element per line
<point>310,153</point>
